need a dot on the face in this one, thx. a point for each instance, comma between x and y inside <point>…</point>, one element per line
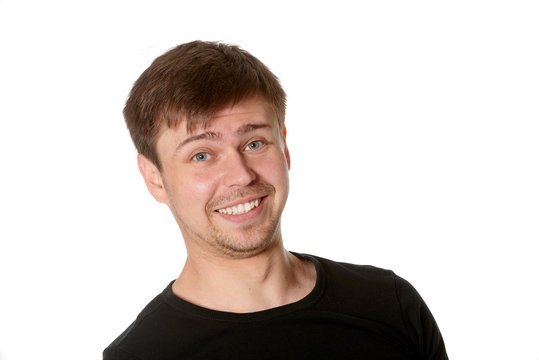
<point>226,184</point>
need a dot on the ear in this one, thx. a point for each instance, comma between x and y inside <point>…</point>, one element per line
<point>286,152</point>
<point>152,178</point>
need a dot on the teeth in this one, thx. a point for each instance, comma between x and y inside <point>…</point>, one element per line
<point>241,208</point>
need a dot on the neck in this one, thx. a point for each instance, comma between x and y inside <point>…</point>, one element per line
<point>269,279</point>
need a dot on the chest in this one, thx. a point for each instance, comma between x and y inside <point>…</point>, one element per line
<point>317,336</point>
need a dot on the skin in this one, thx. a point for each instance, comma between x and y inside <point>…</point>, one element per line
<point>234,263</point>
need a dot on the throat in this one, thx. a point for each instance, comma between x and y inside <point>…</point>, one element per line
<point>232,291</point>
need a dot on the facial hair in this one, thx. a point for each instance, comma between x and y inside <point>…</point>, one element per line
<point>247,240</point>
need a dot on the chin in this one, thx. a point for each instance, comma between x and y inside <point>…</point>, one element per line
<point>252,243</point>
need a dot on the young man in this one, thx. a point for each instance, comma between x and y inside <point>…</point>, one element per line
<point>208,122</point>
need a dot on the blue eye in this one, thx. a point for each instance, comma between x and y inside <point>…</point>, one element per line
<point>254,145</point>
<point>200,157</point>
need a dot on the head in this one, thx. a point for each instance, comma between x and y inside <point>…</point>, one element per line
<point>208,122</point>
<point>189,84</point>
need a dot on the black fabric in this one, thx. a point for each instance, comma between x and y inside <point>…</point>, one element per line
<point>353,312</point>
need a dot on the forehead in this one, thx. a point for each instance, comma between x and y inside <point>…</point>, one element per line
<point>233,119</point>
<point>255,109</point>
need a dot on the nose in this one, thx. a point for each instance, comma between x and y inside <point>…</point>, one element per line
<point>237,171</point>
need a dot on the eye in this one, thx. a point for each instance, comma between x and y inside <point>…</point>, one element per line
<point>255,145</point>
<point>200,157</point>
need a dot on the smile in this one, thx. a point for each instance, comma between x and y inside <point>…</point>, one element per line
<point>241,208</point>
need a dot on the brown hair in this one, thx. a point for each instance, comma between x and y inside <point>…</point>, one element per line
<point>190,83</point>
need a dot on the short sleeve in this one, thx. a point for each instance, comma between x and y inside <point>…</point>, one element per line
<point>419,322</point>
<point>117,354</point>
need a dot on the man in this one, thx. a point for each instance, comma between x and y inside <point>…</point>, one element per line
<point>208,122</point>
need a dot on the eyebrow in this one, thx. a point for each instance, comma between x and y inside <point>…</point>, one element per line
<point>208,135</point>
<point>251,127</point>
<point>213,136</point>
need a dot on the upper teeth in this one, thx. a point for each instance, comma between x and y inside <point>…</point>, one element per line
<point>241,208</point>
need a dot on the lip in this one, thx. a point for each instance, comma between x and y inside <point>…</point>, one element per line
<point>242,218</point>
<point>240,201</point>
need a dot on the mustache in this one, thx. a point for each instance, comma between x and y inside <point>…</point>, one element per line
<point>261,189</point>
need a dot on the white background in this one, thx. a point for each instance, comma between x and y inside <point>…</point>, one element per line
<point>413,129</point>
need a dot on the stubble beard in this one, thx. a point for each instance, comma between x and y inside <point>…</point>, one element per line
<point>245,241</point>
<point>254,239</point>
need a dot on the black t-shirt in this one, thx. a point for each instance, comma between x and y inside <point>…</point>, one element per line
<point>353,312</point>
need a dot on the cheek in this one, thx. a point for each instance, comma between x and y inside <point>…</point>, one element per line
<point>199,188</point>
<point>193,191</point>
<point>275,171</point>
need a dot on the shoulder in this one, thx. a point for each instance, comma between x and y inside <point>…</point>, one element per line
<point>144,324</point>
<point>348,274</point>
<point>369,292</point>
<point>365,289</point>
